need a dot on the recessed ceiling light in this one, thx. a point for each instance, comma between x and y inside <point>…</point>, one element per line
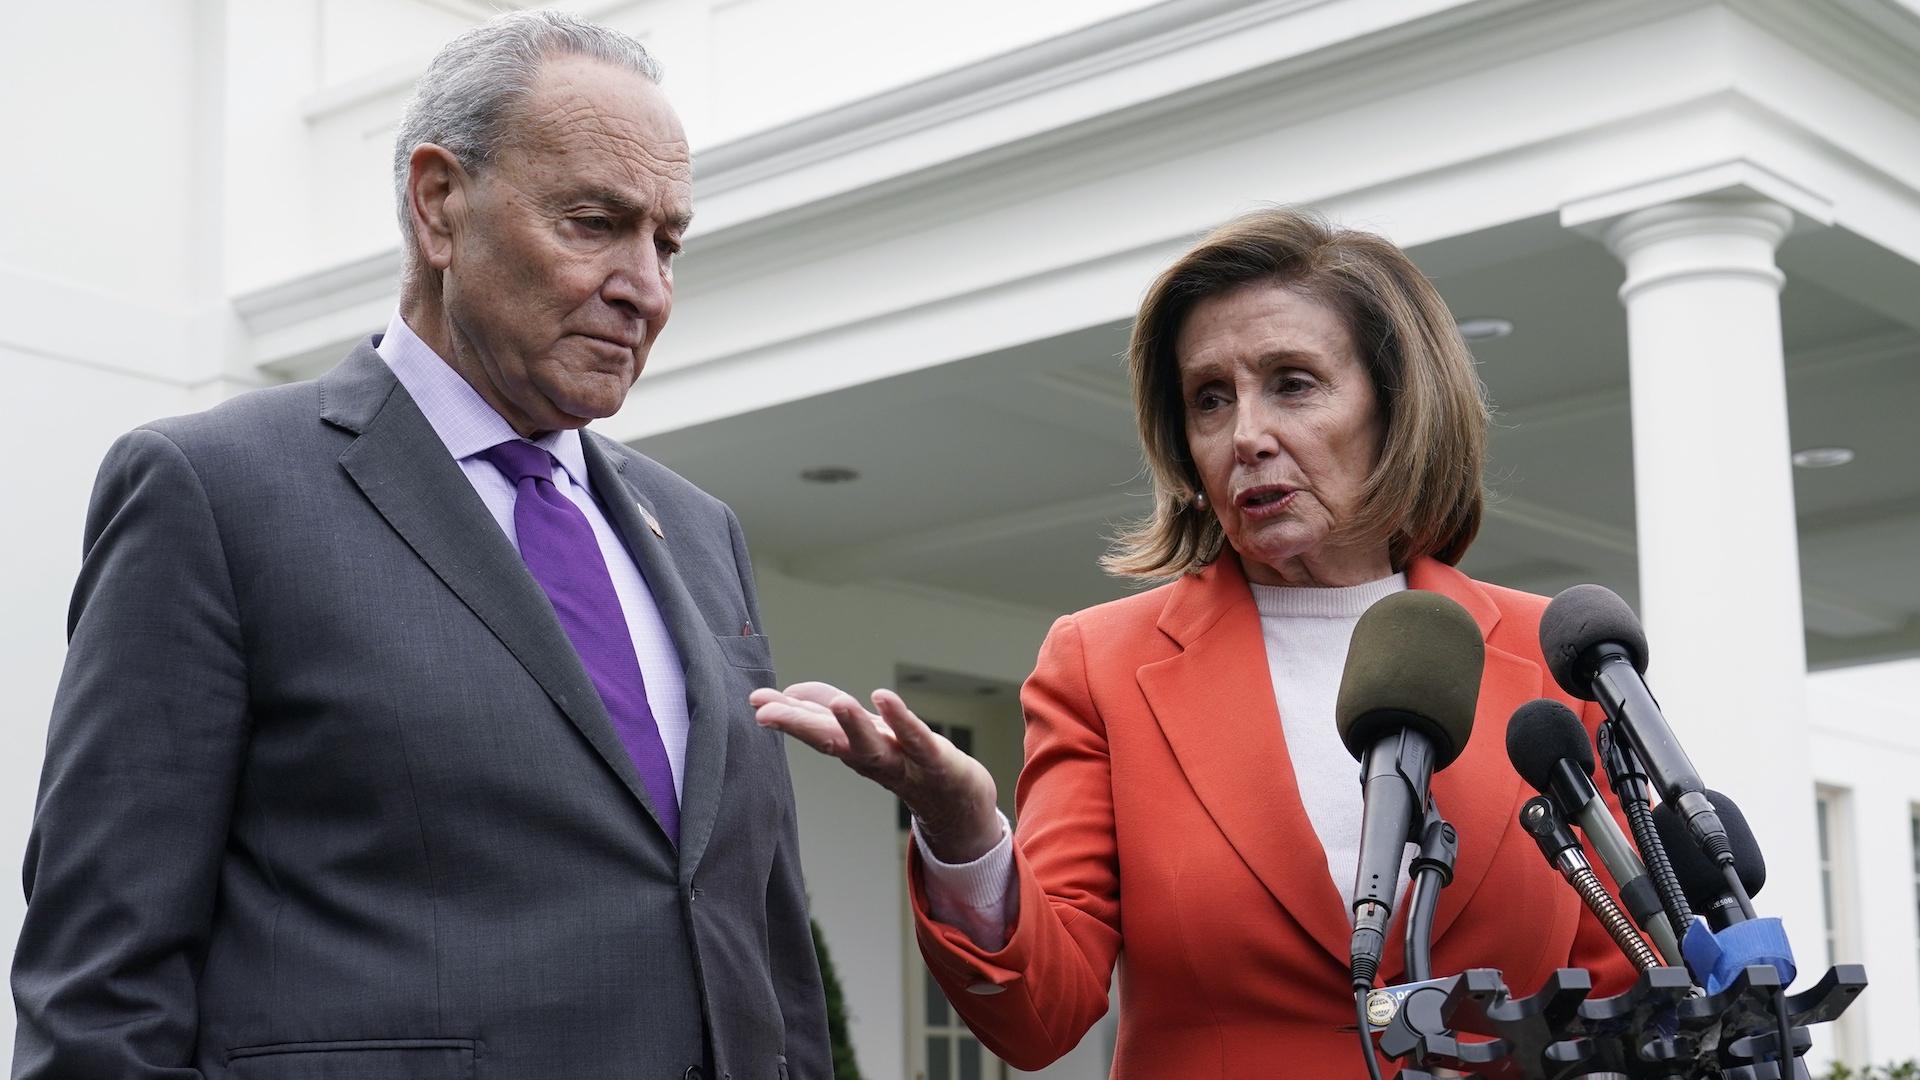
<point>1822,457</point>
<point>1484,329</point>
<point>829,474</point>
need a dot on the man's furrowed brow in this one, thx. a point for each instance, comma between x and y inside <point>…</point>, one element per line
<point>626,205</point>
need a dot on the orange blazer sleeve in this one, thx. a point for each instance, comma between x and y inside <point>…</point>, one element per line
<point>1032,1001</point>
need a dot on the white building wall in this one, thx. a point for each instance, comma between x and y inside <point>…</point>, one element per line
<point>100,170</point>
<point>1865,726</point>
<point>324,82</point>
<point>100,263</point>
<point>63,413</point>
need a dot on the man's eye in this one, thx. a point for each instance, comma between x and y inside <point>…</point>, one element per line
<point>595,223</point>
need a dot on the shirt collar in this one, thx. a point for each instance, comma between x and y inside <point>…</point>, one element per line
<point>456,411</point>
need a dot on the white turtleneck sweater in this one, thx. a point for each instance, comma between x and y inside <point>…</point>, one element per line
<point>1306,632</point>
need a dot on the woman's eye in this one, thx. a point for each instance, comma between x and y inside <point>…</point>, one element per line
<point>1207,401</point>
<point>1294,384</point>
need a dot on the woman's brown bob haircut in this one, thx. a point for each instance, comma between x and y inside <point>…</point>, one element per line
<point>1423,497</point>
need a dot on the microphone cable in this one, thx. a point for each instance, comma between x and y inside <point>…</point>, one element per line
<point>1629,782</point>
<point>1366,1032</point>
<point>1737,888</point>
<point>1784,1059</point>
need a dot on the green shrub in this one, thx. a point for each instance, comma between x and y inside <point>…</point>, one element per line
<point>1892,1070</point>
<point>844,1067</point>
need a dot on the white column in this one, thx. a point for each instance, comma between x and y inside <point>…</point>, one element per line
<point>1713,497</point>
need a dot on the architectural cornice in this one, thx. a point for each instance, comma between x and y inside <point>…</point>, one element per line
<point>1173,71</point>
<point>1023,73</point>
<point>1875,42</point>
<point>1593,215</point>
<point>299,327</point>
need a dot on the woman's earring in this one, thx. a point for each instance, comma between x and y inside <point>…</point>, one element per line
<point>1200,501</point>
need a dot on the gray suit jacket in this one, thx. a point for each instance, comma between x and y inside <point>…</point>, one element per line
<point>328,793</point>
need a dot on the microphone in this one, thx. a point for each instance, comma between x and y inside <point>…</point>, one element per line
<point>1549,830</point>
<point>1597,651</point>
<point>1704,883</point>
<point>1549,749</point>
<point>1405,711</point>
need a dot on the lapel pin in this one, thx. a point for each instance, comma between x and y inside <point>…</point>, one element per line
<point>652,523</point>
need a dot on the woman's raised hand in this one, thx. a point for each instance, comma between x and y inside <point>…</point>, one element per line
<point>950,793</point>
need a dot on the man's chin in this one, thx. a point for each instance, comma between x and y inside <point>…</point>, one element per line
<point>576,410</point>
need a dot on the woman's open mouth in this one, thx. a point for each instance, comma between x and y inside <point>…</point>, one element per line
<point>1265,501</point>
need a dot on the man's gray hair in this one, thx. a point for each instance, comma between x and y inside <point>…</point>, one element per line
<point>468,97</point>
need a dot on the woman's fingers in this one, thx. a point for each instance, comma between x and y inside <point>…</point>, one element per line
<point>917,741</point>
<point>831,721</point>
<point>869,744</point>
<point>893,748</point>
<point>819,693</point>
<point>812,724</point>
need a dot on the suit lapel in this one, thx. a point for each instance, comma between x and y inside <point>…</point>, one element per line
<point>708,706</point>
<point>1214,702</point>
<point>406,473</point>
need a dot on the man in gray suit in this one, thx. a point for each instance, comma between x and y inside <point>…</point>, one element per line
<point>404,728</point>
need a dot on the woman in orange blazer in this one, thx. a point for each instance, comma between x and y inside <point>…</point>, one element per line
<point>1315,434</point>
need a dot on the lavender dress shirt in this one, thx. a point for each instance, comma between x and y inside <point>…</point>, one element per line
<point>468,425</point>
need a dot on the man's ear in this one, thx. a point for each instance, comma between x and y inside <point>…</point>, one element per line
<point>436,201</point>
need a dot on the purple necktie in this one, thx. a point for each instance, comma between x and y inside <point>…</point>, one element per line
<point>559,547</point>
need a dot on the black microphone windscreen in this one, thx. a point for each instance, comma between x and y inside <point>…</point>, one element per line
<point>1414,662</point>
<point>1581,618</point>
<point>1699,877</point>
<point>1541,734</point>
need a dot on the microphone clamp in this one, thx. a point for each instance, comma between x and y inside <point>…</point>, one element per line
<point>1543,822</point>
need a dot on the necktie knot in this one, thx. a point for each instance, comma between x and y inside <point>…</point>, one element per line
<point>518,460</point>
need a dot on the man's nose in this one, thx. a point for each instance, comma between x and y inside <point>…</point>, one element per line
<point>639,284</point>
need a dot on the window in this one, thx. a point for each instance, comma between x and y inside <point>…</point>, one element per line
<point>1913,829</point>
<point>1833,825</point>
<point>1822,815</point>
<point>951,1051</point>
<point>939,1046</point>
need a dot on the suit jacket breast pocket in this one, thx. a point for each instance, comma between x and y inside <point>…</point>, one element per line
<point>749,653</point>
<point>356,1059</point>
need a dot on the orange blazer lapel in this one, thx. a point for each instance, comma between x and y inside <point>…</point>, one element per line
<point>1214,702</point>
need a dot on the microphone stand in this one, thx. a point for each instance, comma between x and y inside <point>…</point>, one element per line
<point>1431,870</point>
<point>1631,786</point>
